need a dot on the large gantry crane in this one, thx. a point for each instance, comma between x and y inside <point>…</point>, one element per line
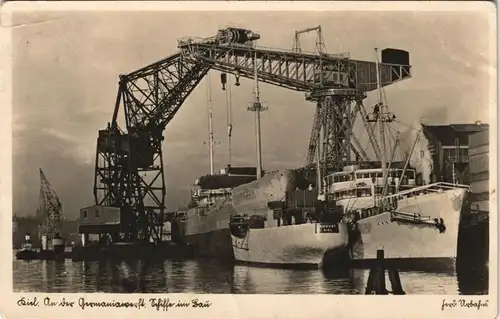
<point>129,175</point>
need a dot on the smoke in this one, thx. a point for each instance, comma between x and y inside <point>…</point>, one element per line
<point>420,158</point>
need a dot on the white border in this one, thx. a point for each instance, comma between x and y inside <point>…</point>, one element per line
<point>241,306</point>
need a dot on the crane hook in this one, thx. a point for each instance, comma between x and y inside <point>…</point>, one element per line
<point>223,80</point>
<point>237,75</point>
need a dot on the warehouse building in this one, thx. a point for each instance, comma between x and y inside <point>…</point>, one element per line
<point>449,148</point>
<point>479,170</point>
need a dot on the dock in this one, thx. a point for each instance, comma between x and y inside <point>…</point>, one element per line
<point>119,251</point>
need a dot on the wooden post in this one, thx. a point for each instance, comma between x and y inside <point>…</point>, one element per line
<point>397,288</point>
<point>370,285</point>
<point>380,281</point>
<point>376,278</point>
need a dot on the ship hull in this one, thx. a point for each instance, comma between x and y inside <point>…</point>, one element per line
<point>26,254</point>
<point>413,241</point>
<point>214,244</point>
<point>208,232</point>
<point>295,246</point>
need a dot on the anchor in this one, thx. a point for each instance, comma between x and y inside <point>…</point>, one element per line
<point>440,225</point>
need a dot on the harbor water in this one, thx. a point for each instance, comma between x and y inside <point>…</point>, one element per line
<point>203,276</point>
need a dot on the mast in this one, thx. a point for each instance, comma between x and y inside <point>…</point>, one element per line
<point>257,108</point>
<point>407,162</point>
<point>382,116</point>
<point>210,127</point>
<point>381,125</point>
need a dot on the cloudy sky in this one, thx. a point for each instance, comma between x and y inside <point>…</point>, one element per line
<point>66,66</point>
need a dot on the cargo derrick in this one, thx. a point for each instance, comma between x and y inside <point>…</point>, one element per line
<point>151,96</point>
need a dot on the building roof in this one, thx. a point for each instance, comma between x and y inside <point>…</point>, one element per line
<point>465,128</point>
<point>469,128</point>
<point>446,134</point>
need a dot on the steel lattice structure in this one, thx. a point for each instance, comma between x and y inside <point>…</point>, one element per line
<point>151,96</point>
<point>50,208</point>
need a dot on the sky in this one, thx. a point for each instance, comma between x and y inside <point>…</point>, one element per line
<point>66,67</point>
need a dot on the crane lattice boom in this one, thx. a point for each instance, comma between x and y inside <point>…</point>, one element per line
<point>50,207</point>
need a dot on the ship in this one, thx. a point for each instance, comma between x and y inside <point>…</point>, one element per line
<point>392,208</point>
<point>26,252</point>
<point>290,235</point>
<point>204,225</point>
<point>417,226</point>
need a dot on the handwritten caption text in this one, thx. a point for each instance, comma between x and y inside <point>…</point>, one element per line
<point>159,304</point>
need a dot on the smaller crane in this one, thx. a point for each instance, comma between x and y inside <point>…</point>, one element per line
<point>50,209</point>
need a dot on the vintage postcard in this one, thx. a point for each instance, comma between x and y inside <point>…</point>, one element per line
<point>249,159</point>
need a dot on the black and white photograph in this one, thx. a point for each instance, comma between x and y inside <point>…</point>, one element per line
<point>240,151</point>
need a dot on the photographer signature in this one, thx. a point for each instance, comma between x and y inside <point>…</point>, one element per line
<point>463,303</point>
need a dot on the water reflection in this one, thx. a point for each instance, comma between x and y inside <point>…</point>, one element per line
<point>203,276</point>
<point>286,281</point>
<point>130,276</point>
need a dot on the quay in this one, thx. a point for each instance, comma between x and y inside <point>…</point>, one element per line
<point>129,251</point>
<point>473,240</point>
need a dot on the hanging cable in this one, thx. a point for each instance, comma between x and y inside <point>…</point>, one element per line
<point>397,134</point>
<point>210,126</point>
<point>229,116</point>
<point>407,126</point>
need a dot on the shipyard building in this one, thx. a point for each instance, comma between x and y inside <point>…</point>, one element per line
<point>479,170</point>
<point>450,150</point>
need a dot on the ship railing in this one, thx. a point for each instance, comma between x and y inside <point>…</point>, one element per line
<point>181,216</point>
<point>358,214</point>
<point>438,187</point>
<point>201,193</point>
<point>415,217</point>
<point>366,213</point>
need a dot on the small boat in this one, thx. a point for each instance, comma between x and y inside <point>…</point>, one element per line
<point>27,252</point>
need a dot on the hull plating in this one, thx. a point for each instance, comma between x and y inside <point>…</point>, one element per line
<point>289,245</point>
<point>208,231</point>
<point>406,239</point>
<point>212,244</point>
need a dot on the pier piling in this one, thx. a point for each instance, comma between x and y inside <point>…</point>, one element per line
<point>376,278</point>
